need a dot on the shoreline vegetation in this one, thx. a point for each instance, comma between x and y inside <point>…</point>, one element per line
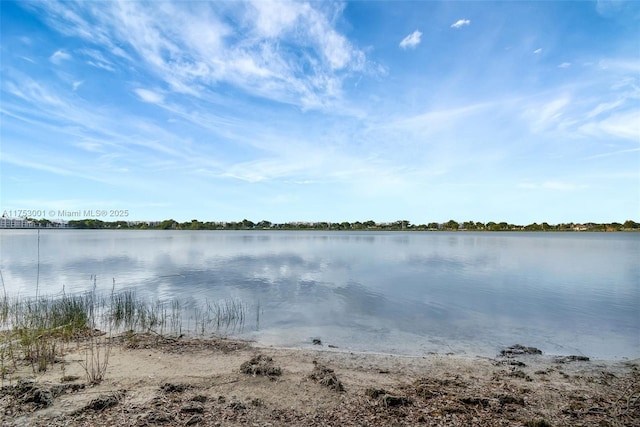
<point>400,225</point>
<point>38,329</point>
<point>117,359</point>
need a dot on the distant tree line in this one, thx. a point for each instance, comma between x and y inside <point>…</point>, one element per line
<point>245,224</point>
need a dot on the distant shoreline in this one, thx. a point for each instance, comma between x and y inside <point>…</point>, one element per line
<point>247,225</point>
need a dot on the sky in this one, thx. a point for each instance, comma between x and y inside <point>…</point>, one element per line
<point>322,111</point>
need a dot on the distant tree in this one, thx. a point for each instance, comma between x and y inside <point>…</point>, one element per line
<point>264,224</point>
<point>168,224</point>
<point>246,224</point>
<point>402,224</point>
<point>42,222</point>
<point>452,225</point>
<point>614,226</point>
<point>469,225</point>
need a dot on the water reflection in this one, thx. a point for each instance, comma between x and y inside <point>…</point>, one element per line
<point>402,292</point>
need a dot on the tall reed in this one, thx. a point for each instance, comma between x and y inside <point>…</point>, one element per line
<point>35,330</point>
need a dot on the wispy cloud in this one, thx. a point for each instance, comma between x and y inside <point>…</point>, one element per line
<point>412,40</point>
<point>617,153</point>
<point>32,91</point>
<point>553,185</point>
<point>624,125</point>
<point>565,65</point>
<point>605,107</point>
<point>546,115</point>
<point>191,47</point>
<point>431,121</point>
<point>537,51</point>
<point>150,96</point>
<point>609,8</point>
<point>34,164</point>
<point>96,59</point>
<point>460,23</point>
<point>59,56</point>
<point>624,65</point>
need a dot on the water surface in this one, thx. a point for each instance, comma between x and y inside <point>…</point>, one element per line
<point>398,292</point>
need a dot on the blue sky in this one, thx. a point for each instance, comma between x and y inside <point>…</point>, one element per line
<point>425,111</point>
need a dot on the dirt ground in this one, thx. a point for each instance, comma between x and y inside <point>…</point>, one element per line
<point>153,380</point>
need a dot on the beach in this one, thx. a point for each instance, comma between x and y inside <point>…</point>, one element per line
<point>156,380</point>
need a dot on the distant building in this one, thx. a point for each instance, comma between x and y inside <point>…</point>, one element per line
<point>16,223</point>
<point>6,222</point>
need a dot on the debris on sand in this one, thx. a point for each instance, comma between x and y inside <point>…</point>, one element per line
<point>518,349</point>
<point>389,400</point>
<point>475,401</point>
<point>28,392</point>
<point>192,408</point>
<point>155,418</point>
<point>105,401</point>
<point>196,419</point>
<point>261,365</point>
<point>508,399</point>
<point>386,398</point>
<point>326,377</point>
<point>31,395</point>
<point>174,388</point>
<point>537,423</point>
<point>572,358</point>
<point>207,389</point>
<point>375,393</point>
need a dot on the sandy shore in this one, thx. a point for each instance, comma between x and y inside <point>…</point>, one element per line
<point>152,380</point>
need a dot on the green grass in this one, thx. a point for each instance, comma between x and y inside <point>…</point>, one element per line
<point>35,330</point>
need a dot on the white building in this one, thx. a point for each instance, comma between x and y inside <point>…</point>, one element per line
<point>16,223</point>
<point>6,222</point>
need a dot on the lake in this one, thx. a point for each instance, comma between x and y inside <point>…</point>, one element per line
<point>407,293</point>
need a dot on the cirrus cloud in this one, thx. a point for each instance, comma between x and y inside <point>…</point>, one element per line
<point>412,40</point>
<point>59,56</point>
<point>149,96</point>
<point>460,23</point>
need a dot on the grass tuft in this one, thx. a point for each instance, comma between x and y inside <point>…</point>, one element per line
<point>36,330</point>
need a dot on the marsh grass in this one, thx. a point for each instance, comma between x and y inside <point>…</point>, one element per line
<point>219,316</point>
<point>37,331</point>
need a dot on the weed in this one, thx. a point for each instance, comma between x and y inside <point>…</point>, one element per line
<point>96,360</point>
<point>36,330</point>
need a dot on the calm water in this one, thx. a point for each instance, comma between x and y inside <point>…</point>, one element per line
<point>408,293</point>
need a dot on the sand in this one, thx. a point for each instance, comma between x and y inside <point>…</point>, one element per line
<point>153,380</point>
